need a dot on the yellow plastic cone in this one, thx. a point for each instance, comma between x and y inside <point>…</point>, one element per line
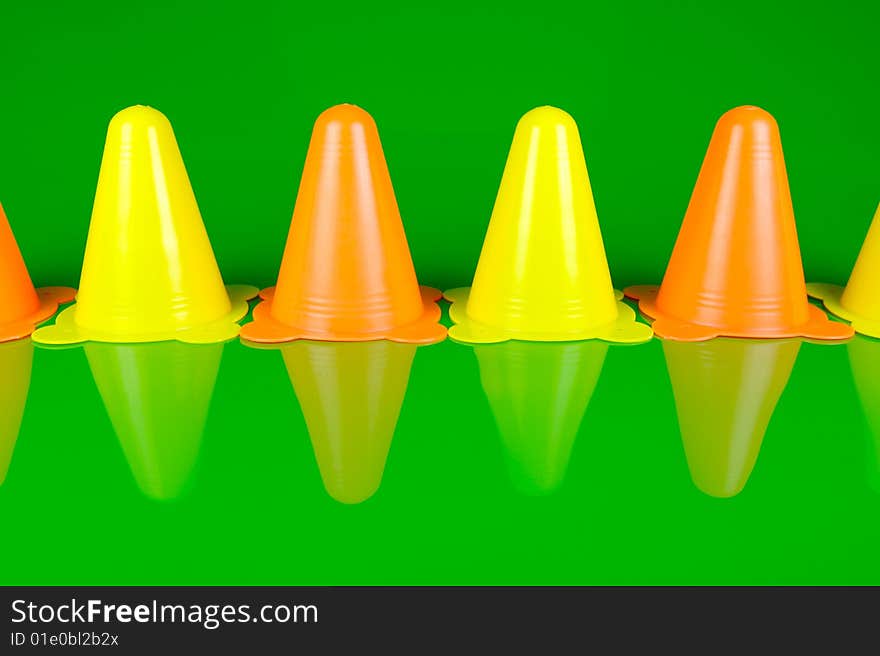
<point>539,394</point>
<point>725,393</point>
<point>350,395</point>
<point>15,379</point>
<point>864,360</point>
<point>157,397</point>
<point>149,273</point>
<point>542,273</point>
<point>859,301</point>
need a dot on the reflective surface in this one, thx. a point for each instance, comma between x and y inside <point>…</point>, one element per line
<point>720,462</point>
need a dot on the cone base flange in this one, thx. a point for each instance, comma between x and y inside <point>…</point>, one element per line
<point>830,296</point>
<point>625,330</point>
<point>66,331</point>
<point>266,330</point>
<point>818,326</point>
<point>50,299</point>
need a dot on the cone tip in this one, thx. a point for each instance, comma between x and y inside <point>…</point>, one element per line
<point>138,115</point>
<point>747,114</point>
<point>547,116</point>
<point>346,114</point>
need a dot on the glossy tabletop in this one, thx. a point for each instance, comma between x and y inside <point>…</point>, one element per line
<point>728,461</point>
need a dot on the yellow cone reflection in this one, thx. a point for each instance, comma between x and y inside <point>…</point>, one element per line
<point>538,393</point>
<point>864,359</point>
<point>725,393</point>
<point>350,395</point>
<point>157,396</point>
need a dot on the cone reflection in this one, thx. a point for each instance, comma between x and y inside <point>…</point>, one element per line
<point>16,359</point>
<point>864,360</point>
<point>725,393</point>
<point>157,397</point>
<point>538,393</point>
<point>350,395</point>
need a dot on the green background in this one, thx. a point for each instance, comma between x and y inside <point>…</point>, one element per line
<point>217,481</point>
<point>242,84</point>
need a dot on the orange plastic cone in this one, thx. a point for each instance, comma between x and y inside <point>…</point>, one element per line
<point>21,306</point>
<point>346,274</point>
<point>736,267</point>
